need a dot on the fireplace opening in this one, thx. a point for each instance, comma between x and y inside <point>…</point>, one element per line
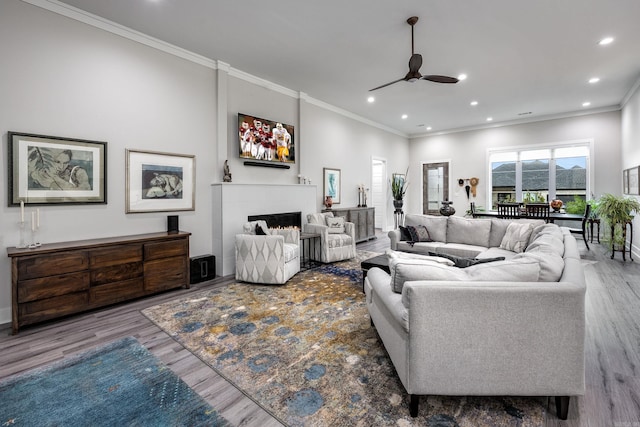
<point>280,220</point>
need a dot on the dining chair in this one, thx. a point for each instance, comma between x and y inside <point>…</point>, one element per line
<point>508,210</point>
<point>537,211</point>
<point>583,229</point>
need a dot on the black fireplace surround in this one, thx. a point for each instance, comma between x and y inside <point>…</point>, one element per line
<point>279,220</point>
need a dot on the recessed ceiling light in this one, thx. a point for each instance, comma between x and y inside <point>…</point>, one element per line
<point>370,99</point>
<point>489,119</point>
<point>605,41</point>
<point>473,103</point>
<point>404,116</point>
<point>428,127</point>
<point>586,104</point>
<point>462,77</point>
<point>594,79</point>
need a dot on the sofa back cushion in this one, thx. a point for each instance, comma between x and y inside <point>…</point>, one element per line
<point>499,228</point>
<point>436,225</point>
<point>468,231</point>
<point>515,270</point>
<point>516,237</point>
<point>405,269</point>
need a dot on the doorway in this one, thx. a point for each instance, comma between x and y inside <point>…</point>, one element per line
<point>379,191</point>
<point>435,186</point>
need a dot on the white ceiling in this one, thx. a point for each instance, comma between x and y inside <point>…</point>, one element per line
<point>520,56</point>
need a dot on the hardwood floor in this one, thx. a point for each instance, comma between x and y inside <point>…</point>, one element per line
<point>612,351</point>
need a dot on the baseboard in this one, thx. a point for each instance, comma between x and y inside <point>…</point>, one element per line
<point>5,316</point>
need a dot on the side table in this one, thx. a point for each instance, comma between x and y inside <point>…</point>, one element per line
<point>398,216</point>
<point>308,247</point>
<point>595,221</point>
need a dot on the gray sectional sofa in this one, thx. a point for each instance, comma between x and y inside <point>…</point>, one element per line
<point>507,327</point>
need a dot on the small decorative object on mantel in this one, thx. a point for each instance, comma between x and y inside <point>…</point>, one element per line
<point>227,173</point>
<point>328,202</point>
<point>556,205</point>
<point>447,209</point>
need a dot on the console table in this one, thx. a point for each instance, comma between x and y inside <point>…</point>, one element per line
<point>65,278</point>
<point>363,219</point>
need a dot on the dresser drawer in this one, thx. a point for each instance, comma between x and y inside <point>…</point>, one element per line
<point>50,308</point>
<point>52,264</point>
<point>52,286</point>
<point>116,273</point>
<point>166,249</point>
<point>120,254</point>
<point>116,292</point>
<point>165,274</point>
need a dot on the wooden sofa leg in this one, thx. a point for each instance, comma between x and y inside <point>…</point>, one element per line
<point>413,405</point>
<point>562,407</point>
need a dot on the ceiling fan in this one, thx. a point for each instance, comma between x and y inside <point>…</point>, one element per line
<point>415,62</point>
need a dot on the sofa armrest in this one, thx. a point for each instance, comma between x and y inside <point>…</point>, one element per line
<point>394,237</point>
<point>350,229</point>
<point>495,338</point>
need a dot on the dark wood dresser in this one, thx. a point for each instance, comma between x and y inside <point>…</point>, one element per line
<point>64,278</point>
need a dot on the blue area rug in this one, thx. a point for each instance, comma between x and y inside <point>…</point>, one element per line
<point>120,383</point>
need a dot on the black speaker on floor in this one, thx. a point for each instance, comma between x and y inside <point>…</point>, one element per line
<point>172,224</point>
<point>202,268</point>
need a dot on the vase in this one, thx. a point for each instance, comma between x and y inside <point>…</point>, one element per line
<point>398,204</point>
<point>556,204</point>
<point>447,209</point>
<point>328,202</point>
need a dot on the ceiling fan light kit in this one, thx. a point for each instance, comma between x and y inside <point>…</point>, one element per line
<point>415,62</point>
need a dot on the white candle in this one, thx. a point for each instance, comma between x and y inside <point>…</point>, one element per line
<point>21,210</point>
<point>38,217</point>
<point>33,221</point>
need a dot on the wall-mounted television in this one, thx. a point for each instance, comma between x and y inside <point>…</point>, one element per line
<point>265,140</point>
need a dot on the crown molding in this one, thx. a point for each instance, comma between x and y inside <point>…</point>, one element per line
<point>120,30</point>
<point>521,121</point>
<point>630,93</point>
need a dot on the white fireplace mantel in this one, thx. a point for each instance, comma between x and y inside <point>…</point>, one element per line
<point>233,203</point>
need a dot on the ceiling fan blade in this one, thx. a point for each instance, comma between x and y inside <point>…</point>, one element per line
<point>440,79</point>
<point>415,62</point>
<point>385,85</point>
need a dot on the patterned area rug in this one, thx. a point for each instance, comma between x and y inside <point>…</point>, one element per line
<point>306,352</point>
<point>118,384</point>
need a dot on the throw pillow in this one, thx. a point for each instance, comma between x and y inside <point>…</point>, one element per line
<point>516,237</point>
<point>419,233</point>
<point>260,231</point>
<point>405,236</point>
<point>336,225</point>
<point>463,262</point>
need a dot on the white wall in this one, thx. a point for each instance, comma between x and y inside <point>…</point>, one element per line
<point>338,142</point>
<point>64,78</point>
<point>468,153</point>
<point>631,150</point>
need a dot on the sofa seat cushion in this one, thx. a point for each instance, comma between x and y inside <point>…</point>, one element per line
<point>551,264</point>
<point>291,252</point>
<point>436,225</point>
<point>419,247</point>
<point>339,240</point>
<point>461,250</point>
<point>468,231</point>
<point>496,252</point>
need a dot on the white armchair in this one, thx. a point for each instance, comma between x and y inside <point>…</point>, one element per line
<point>336,243</point>
<point>273,258</point>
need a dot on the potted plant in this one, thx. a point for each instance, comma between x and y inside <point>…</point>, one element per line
<point>399,186</point>
<point>616,211</point>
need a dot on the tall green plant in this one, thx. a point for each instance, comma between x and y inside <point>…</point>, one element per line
<point>616,211</point>
<point>399,186</point>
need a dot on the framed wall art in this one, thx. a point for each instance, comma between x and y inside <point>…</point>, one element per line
<point>56,170</point>
<point>159,182</point>
<point>625,181</point>
<point>634,185</point>
<point>331,185</point>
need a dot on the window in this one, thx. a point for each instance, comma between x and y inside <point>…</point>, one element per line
<point>540,174</point>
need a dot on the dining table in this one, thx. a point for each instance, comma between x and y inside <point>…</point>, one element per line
<point>553,216</point>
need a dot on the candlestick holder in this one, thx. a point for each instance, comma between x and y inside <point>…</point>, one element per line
<point>23,240</point>
<point>34,239</point>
